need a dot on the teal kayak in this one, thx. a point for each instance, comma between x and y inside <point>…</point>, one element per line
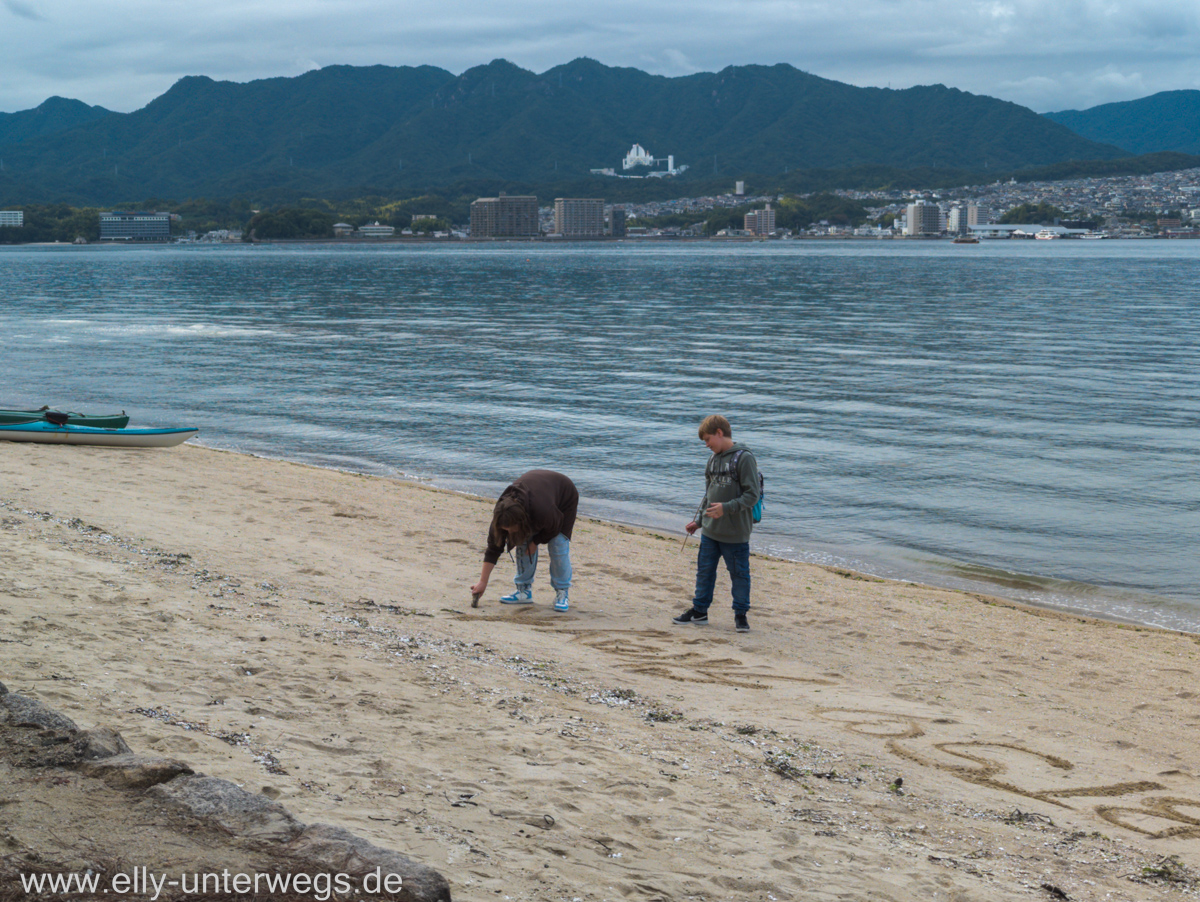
<point>107,421</point>
<point>49,433</point>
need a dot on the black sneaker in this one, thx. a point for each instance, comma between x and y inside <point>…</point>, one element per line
<point>691,615</point>
<point>740,622</point>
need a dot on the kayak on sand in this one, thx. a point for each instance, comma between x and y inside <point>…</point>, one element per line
<point>107,421</point>
<point>89,435</point>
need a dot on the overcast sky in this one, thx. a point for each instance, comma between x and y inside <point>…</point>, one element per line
<point>1044,54</point>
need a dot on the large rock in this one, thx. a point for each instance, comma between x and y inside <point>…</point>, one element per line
<point>130,771</point>
<point>337,850</point>
<point>23,711</point>
<point>101,742</point>
<point>228,806</point>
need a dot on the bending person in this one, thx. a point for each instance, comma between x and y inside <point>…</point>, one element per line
<point>537,509</point>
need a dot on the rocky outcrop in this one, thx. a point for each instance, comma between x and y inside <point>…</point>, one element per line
<point>130,771</point>
<point>339,850</point>
<point>38,737</point>
<point>230,807</point>
<point>22,711</point>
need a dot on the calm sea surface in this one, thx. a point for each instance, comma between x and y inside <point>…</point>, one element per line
<point>1021,418</point>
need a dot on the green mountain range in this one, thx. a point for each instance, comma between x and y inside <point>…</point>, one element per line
<point>396,130</point>
<point>1169,120</point>
<point>53,116</point>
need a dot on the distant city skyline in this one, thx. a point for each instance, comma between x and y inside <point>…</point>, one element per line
<point>1072,54</point>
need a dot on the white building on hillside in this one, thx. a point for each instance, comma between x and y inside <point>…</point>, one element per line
<point>638,156</point>
<point>12,218</point>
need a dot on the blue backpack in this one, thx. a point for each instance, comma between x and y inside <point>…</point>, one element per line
<point>731,472</point>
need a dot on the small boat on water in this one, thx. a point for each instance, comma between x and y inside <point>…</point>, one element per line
<point>1047,235</point>
<point>67,434</point>
<point>45,414</point>
<point>966,239</point>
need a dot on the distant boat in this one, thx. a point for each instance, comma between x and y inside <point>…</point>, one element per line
<point>50,433</point>
<point>1093,236</point>
<point>966,239</point>
<point>106,421</point>
<point>1046,235</point>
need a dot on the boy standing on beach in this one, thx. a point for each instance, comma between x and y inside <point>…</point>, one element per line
<point>731,490</point>
<point>537,509</point>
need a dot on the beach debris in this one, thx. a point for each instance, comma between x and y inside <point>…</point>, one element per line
<point>1168,869</point>
<point>664,716</point>
<point>815,816</point>
<point>1026,817</point>
<point>475,596</point>
<point>781,763</point>
<point>464,799</point>
<point>239,740</point>
<point>1054,891</point>
<point>541,821</point>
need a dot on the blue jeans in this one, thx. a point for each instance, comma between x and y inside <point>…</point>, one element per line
<point>737,561</point>
<point>560,564</point>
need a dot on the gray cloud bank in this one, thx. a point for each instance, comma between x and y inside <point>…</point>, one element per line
<point>1052,55</point>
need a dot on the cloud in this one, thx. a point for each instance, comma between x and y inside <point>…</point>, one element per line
<point>1046,55</point>
<point>23,10</point>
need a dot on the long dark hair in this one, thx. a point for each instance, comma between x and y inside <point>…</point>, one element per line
<point>509,513</point>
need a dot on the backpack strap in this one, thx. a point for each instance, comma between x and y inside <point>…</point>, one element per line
<point>731,469</point>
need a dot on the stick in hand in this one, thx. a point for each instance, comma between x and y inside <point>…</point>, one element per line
<point>695,519</point>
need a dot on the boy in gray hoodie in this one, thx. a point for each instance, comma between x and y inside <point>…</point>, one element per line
<point>731,490</point>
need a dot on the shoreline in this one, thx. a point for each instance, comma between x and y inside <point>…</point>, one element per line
<point>1070,605</point>
<point>307,634</point>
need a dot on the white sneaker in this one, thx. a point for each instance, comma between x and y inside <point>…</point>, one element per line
<point>560,601</point>
<point>521,596</point>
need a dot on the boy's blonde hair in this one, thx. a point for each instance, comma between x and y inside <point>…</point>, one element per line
<point>712,423</point>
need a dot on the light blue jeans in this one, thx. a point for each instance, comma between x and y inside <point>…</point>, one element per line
<point>560,564</point>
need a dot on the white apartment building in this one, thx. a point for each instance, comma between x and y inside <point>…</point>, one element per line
<point>956,220</point>
<point>13,219</point>
<point>375,230</point>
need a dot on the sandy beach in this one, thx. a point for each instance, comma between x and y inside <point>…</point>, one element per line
<point>308,634</point>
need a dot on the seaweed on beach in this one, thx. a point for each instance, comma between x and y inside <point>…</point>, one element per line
<point>1167,870</point>
<point>781,763</point>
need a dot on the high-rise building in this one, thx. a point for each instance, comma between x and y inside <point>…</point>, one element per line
<point>923,219</point>
<point>760,222</point>
<point>122,226</point>
<point>579,217</point>
<point>12,218</point>
<point>505,217</point>
<point>977,215</point>
<point>956,222</point>
<point>617,222</point>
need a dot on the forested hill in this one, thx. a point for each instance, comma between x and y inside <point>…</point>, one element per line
<point>1169,120</point>
<point>395,129</point>
<point>53,116</point>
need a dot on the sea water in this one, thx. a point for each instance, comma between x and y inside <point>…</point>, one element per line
<point>1019,418</point>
